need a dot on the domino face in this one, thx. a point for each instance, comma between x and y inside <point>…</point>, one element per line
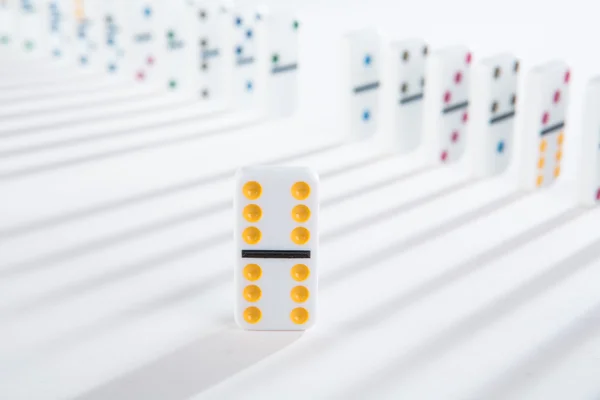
<point>29,26</point>
<point>277,245</point>
<point>61,26</point>
<point>178,49</point>
<point>113,36</point>
<point>142,56</point>
<point>493,111</point>
<point>544,112</point>
<point>590,155</point>
<point>88,31</point>
<point>446,108</point>
<point>249,51</point>
<point>282,34</point>
<point>404,94</point>
<point>6,22</point>
<point>362,61</point>
<point>214,63</point>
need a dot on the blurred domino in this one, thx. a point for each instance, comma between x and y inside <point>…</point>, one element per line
<point>590,156</point>
<point>362,66</point>
<point>30,25</point>
<point>277,243</point>
<point>113,40</point>
<point>282,37</point>
<point>61,29</point>
<point>7,18</point>
<point>88,32</point>
<point>211,29</point>
<point>142,27</point>
<point>493,109</point>
<point>402,106</point>
<point>446,106</point>
<point>544,110</point>
<point>179,47</point>
<point>249,74</point>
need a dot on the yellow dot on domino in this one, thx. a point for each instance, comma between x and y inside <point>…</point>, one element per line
<point>301,213</point>
<point>300,235</point>
<point>299,294</point>
<point>541,163</point>
<point>299,315</point>
<point>252,315</point>
<point>300,272</point>
<point>559,155</point>
<point>300,190</point>
<point>540,180</point>
<point>543,145</point>
<point>252,213</point>
<point>561,138</point>
<point>251,235</point>
<point>252,272</point>
<point>252,190</point>
<point>557,171</point>
<point>252,293</point>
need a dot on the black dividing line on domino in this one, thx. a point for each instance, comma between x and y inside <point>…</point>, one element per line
<point>244,61</point>
<point>455,107</point>
<point>143,37</point>
<point>284,68</point>
<point>366,88</point>
<point>502,117</point>
<point>276,254</point>
<point>410,99</point>
<point>553,128</point>
<point>210,53</point>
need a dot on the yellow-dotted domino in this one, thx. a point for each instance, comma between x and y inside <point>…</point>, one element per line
<point>276,247</point>
<point>545,108</point>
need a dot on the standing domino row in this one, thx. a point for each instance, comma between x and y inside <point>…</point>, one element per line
<point>244,57</point>
<point>208,49</point>
<point>443,99</point>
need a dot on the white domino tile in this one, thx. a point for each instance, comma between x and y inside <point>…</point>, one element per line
<point>361,76</point>
<point>544,127</point>
<point>277,248</point>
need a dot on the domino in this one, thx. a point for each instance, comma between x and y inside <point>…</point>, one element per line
<point>142,28</point>
<point>6,22</point>
<point>446,104</point>
<point>282,36</point>
<point>179,52</point>
<point>88,32</point>
<point>362,54</point>
<point>493,110</point>
<point>113,36</point>
<point>402,107</point>
<point>249,74</point>
<point>544,111</point>
<point>277,246</point>
<point>61,29</point>
<point>29,26</point>
<point>213,66</point>
<point>590,155</point>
